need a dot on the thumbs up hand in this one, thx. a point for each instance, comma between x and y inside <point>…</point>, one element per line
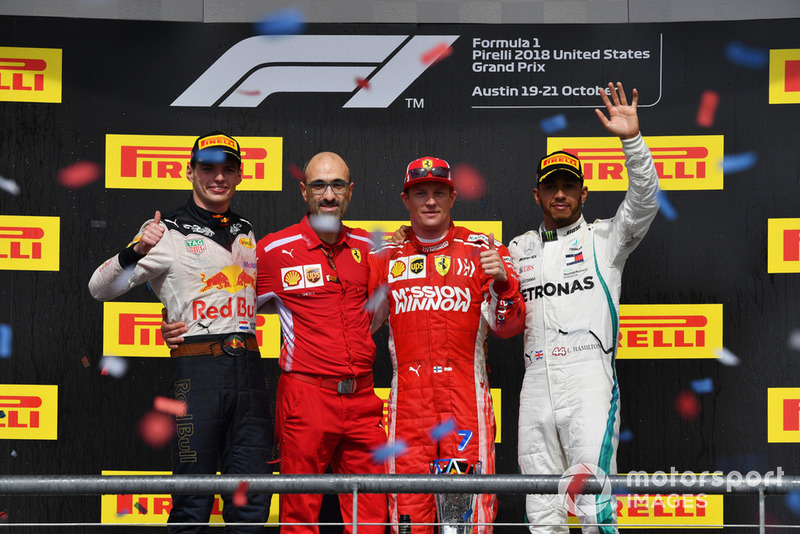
<point>152,234</point>
<point>491,262</point>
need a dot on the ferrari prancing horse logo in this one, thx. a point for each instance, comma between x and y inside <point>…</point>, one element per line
<point>442,264</point>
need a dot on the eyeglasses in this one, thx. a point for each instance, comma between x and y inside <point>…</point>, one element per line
<point>422,172</point>
<point>338,187</point>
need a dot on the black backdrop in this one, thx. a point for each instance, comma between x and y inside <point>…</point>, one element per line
<point>120,77</point>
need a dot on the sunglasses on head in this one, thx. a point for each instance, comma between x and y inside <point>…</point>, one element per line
<point>422,172</point>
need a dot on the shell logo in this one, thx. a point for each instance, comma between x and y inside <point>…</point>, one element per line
<point>398,269</point>
<point>247,243</point>
<point>292,278</point>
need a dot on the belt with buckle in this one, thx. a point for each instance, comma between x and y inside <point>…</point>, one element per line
<point>346,386</point>
<point>232,345</point>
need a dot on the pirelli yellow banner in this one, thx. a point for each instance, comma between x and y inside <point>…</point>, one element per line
<point>667,511</point>
<point>30,243</point>
<point>784,76</point>
<point>497,407</point>
<point>134,329</point>
<point>159,162</point>
<point>683,162</point>
<point>666,331</point>
<point>387,228</point>
<point>154,508</point>
<point>30,74</point>
<point>783,415</point>
<point>30,411</point>
<point>783,246</point>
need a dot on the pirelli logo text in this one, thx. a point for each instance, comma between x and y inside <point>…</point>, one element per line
<point>387,228</point>
<point>674,511</point>
<point>29,243</point>
<point>662,331</point>
<point>159,162</point>
<point>784,76</point>
<point>783,246</point>
<point>28,411</point>
<point>686,162</point>
<point>497,408</point>
<point>30,74</point>
<point>134,329</point>
<point>783,415</point>
<point>126,509</point>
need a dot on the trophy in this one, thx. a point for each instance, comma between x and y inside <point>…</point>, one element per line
<point>455,509</point>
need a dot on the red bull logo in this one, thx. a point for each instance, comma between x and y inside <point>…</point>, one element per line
<point>231,279</point>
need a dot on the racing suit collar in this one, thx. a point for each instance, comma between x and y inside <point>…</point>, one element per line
<point>432,247</point>
<point>208,218</point>
<point>559,233</point>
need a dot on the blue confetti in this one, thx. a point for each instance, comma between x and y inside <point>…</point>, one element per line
<point>467,515</point>
<point>626,435</point>
<point>442,429</point>
<point>793,502</point>
<point>287,21</point>
<point>666,208</point>
<point>2,414</point>
<point>732,163</point>
<point>749,57</point>
<point>703,385</point>
<point>553,124</point>
<point>381,454</point>
<point>5,341</point>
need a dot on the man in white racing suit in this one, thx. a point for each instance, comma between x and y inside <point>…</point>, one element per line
<point>570,277</point>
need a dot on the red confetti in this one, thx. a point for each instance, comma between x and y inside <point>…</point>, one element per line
<point>170,406</point>
<point>104,371</point>
<point>687,404</point>
<point>296,172</point>
<point>437,53</point>
<point>139,506</point>
<point>469,182</point>
<point>245,92</point>
<point>79,174</point>
<point>3,515</point>
<point>707,109</point>
<point>156,429</point>
<point>85,361</point>
<point>362,83</point>
<point>240,495</point>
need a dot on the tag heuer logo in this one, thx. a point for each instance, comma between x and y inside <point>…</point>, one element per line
<point>195,246</point>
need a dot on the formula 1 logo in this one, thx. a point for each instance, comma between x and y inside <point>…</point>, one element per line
<point>257,67</point>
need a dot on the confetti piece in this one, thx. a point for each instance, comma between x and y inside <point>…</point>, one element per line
<point>240,495</point>
<point>289,21</point>
<point>626,435</point>
<point>296,172</point>
<point>2,414</point>
<point>732,163</point>
<point>79,174</point>
<point>125,511</point>
<point>169,406</point>
<point>5,340</point>
<point>13,454</point>
<point>726,357</point>
<point>443,429</point>
<point>437,53</point>
<point>245,92</point>
<point>139,506</point>
<point>793,502</point>
<point>9,186</point>
<point>702,385</point>
<point>749,57</point>
<point>687,405</point>
<point>3,515</point>
<point>156,429</point>
<point>114,366</point>
<point>362,83</point>
<point>85,361</point>
<point>381,454</point>
<point>794,340</point>
<point>467,515</point>
<point>553,124</point>
<point>468,182</point>
<point>666,208</point>
<point>707,109</point>
<point>324,223</point>
<point>376,298</point>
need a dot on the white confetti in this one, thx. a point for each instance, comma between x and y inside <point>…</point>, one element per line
<point>13,454</point>
<point>114,365</point>
<point>324,223</point>
<point>726,357</point>
<point>376,298</point>
<point>9,186</point>
<point>794,339</point>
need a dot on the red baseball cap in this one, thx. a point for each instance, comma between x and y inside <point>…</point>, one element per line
<point>428,169</point>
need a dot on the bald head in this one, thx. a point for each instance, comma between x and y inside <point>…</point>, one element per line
<point>326,164</point>
<point>327,188</point>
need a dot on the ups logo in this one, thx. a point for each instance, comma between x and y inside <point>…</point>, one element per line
<point>313,275</point>
<point>417,265</point>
